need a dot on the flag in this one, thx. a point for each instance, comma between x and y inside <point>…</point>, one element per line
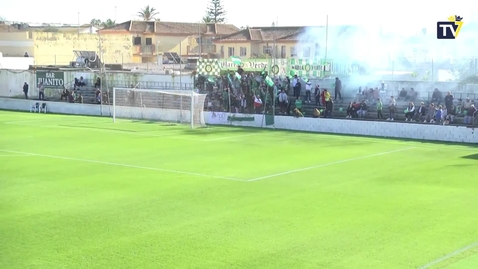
<point>236,60</point>
<point>269,81</point>
<point>211,79</point>
<point>238,76</point>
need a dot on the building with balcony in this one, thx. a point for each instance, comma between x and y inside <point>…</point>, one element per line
<point>151,39</point>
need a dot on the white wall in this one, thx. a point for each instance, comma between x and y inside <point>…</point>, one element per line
<point>339,126</point>
<point>11,81</point>
<point>16,63</point>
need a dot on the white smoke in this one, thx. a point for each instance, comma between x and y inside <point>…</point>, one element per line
<point>377,47</point>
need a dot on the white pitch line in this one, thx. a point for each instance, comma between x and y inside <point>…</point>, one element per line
<point>122,165</point>
<point>448,256</point>
<point>328,164</point>
<point>172,135</point>
<point>230,137</point>
<point>14,155</point>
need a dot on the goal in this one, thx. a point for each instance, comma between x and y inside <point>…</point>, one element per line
<point>176,106</point>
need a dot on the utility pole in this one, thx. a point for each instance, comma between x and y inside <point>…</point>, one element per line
<point>115,14</point>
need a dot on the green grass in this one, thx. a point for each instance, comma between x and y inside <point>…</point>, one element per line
<point>83,192</point>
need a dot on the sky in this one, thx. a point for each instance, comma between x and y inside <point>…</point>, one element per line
<point>396,16</point>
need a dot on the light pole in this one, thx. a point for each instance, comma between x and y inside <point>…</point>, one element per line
<point>78,24</point>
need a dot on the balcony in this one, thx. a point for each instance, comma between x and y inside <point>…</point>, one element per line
<point>145,50</point>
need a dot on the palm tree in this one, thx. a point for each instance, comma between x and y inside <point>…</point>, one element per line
<point>148,13</point>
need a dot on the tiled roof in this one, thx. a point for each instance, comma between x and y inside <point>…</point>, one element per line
<point>267,34</point>
<point>160,27</point>
<point>7,28</point>
<point>264,34</point>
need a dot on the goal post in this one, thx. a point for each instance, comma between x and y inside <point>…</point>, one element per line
<point>173,106</point>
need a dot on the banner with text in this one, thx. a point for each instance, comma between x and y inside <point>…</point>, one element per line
<point>51,79</point>
<point>306,68</point>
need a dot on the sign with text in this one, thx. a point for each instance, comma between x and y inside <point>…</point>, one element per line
<point>51,79</point>
<point>249,65</point>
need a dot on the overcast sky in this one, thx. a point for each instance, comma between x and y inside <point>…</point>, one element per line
<point>404,15</point>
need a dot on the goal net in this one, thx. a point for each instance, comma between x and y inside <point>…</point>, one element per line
<point>162,105</point>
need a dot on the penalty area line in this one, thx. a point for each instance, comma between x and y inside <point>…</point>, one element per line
<point>328,164</point>
<point>122,165</point>
<point>449,256</point>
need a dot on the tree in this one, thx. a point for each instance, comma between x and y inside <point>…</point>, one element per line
<point>108,23</point>
<point>95,22</point>
<point>2,19</point>
<point>148,13</point>
<point>206,19</point>
<point>216,12</point>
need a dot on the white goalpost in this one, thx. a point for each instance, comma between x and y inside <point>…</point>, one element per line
<point>178,106</point>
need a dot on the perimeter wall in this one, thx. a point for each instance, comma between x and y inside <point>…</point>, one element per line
<point>339,126</point>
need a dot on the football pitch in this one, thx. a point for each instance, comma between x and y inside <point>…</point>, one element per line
<point>84,192</point>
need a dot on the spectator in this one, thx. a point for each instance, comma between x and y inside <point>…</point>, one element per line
<point>449,101</point>
<point>362,112</point>
<point>430,113</point>
<point>82,82</point>
<point>350,111</point>
<point>338,89</point>
<point>444,115</point>
<point>298,104</point>
<point>410,112</point>
<point>41,91</point>
<point>243,103</point>
<point>459,106</point>
<point>450,117</point>
<point>257,104</point>
<point>403,95</point>
<point>329,107</point>
<point>98,83</point>
<point>467,104</point>
<point>436,96</point>
<point>420,112</point>
<point>64,94</point>
<point>470,114</point>
<point>317,95</point>
<point>413,95</point>
<point>25,89</point>
<point>308,88</point>
<point>379,109</point>
<point>392,108</point>
<point>297,86</point>
<point>283,100</point>
<point>323,95</point>
<point>438,115</point>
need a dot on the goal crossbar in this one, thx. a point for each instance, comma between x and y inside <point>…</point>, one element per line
<point>178,106</point>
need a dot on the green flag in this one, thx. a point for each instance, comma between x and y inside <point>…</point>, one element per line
<point>269,81</point>
<point>236,60</point>
<point>238,76</point>
<point>211,79</point>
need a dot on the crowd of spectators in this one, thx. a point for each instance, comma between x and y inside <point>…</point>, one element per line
<point>250,93</point>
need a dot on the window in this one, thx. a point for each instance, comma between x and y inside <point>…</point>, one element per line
<point>283,53</point>
<point>243,51</point>
<point>293,52</point>
<point>149,41</point>
<point>317,50</point>
<point>230,51</point>
<point>137,41</point>
<point>306,52</point>
<point>267,50</point>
